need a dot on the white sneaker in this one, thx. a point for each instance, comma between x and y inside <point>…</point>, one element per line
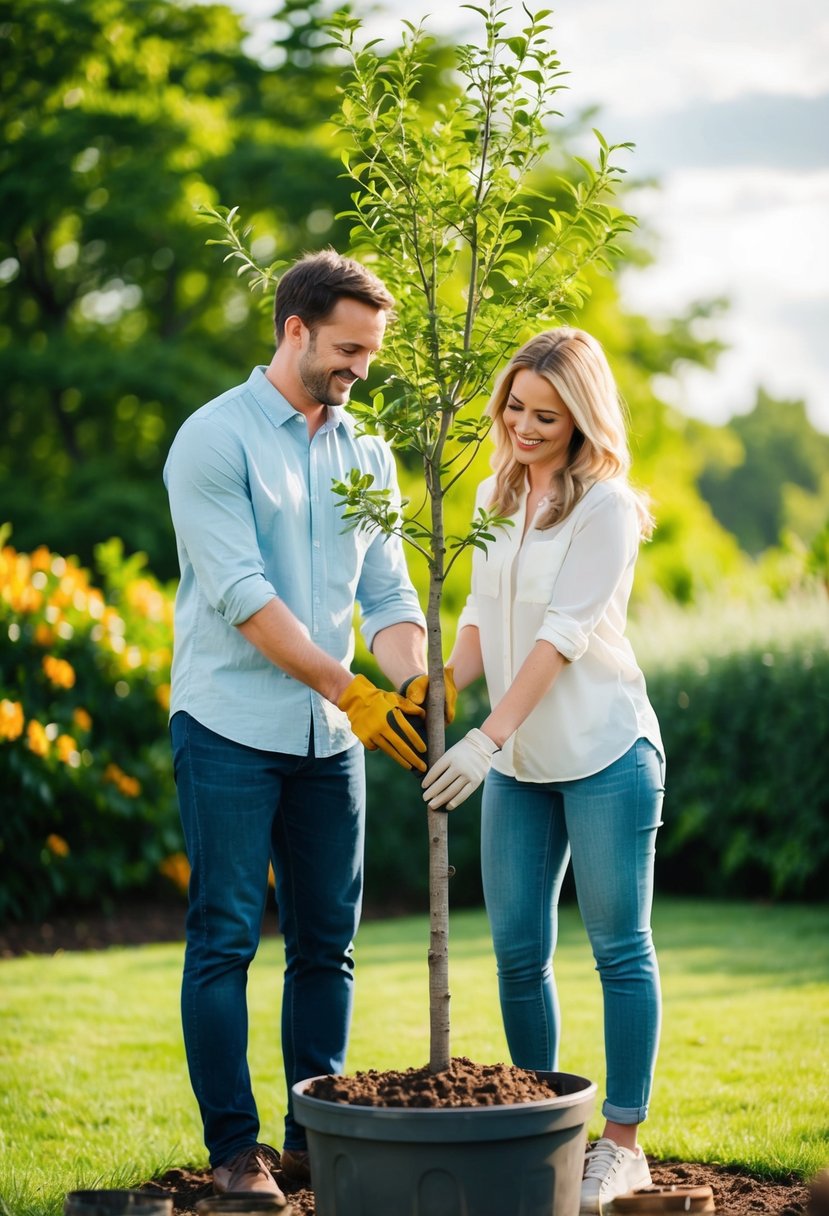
<point>610,1171</point>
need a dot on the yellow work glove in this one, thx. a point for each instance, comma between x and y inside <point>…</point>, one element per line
<point>379,720</point>
<point>417,688</point>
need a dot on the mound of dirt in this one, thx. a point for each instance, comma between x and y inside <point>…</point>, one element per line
<point>464,1083</point>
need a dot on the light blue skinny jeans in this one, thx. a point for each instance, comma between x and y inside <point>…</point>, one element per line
<point>608,823</point>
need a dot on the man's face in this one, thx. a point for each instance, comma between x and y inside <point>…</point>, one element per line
<point>340,350</point>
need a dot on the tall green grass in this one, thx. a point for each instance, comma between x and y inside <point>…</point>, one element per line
<point>666,634</point>
<point>94,1088</point>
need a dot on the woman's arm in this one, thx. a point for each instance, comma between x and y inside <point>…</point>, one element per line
<point>536,676</point>
<point>463,767</point>
<point>466,658</point>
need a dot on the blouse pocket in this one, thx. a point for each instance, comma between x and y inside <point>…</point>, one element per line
<point>539,569</point>
<point>486,573</point>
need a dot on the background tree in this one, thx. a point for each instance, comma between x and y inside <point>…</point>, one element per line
<point>776,475</point>
<point>117,119</point>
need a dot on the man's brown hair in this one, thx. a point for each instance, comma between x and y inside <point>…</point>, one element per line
<point>313,285</point>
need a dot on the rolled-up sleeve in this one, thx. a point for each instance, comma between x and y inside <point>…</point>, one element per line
<point>603,547</point>
<point>470,614</point>
<point>214,522</point>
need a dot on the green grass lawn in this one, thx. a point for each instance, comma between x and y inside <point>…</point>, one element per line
<point>94,1089</point>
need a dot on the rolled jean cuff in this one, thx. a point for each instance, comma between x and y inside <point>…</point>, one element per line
<point>624,1114</point>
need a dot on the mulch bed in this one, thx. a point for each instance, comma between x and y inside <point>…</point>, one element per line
<point>736,1193</point>
<point>133,923</point>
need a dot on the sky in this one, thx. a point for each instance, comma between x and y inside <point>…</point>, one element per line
<point>728,104</point>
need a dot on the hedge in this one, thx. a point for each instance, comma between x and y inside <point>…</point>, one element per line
<point>742,695</point>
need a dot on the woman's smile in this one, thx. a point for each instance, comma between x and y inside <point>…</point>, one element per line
<point>539,423</point>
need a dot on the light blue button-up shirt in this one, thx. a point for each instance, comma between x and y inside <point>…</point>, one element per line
<point>256,518</point>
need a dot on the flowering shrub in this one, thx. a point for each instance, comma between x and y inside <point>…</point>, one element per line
<point>87,802</point>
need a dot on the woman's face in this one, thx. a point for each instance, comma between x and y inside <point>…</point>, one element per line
<point>539,424</point>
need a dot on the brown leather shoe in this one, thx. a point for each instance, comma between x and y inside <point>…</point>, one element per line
<point>250,1170</point>
<point>296,1165</point>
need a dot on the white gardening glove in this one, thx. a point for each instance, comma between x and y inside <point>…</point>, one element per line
<point>459,772</point>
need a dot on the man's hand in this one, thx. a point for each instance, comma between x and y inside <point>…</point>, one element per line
<point>459,772</point>
<point>379,720</point>
<point>417,688</point>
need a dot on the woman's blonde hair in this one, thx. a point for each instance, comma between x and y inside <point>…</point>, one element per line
<point>574,363</point>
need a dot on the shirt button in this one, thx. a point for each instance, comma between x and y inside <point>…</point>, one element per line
<point>316,544</point>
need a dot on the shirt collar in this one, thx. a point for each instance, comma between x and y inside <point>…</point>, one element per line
<point>279,409</point>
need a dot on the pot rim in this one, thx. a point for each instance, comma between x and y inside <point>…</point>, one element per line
<point>583,1089</point>
<point>446,1124</point>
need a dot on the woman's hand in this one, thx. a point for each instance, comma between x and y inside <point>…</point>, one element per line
<point>459,772</point>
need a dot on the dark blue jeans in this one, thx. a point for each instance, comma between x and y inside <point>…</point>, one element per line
<point>241,808</point>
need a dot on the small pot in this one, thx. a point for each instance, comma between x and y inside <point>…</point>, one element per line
<point>117,1203</point>
<point>656,1199</point>
<point>486,1160</point>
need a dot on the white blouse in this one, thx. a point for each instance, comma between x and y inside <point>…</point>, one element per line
<point>568,585</point>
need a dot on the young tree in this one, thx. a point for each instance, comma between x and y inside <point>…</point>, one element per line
<point>445,210</point>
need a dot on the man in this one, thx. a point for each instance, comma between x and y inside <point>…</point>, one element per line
<point>264,709</point>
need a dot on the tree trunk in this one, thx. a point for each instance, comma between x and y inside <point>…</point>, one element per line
<point>439,870</point>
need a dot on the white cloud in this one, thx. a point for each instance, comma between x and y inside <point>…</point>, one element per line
<point>759,237</point>
<point>742,231</point>
<point>762,354</point>
<point>660,54</point>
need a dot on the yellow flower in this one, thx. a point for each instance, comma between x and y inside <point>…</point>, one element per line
<point>67,750</point>
<point>11,719</point>
<point>82,719</point>
<point>130,787</point>
<point>23,597</point>
<point>57,845</point>
<point>41,558</point>
<point>58,671</point>
<point>44,636</point>
<point>37,738</point>
<point>148,599</point>
<point>176,867</point>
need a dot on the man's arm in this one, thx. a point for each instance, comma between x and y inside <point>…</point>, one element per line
<point>284,640</point>
<point>400,651</point>
<point>377,718</point>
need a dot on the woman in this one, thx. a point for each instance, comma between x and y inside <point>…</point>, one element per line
<point>571,752</point>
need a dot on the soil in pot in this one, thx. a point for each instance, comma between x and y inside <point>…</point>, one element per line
<point>464,1083</point>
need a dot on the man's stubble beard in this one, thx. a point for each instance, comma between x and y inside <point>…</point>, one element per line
<point>317,381</point>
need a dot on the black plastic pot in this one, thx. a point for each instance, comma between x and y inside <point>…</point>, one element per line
<point>116,1203</point>
<point>520,1160</point>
